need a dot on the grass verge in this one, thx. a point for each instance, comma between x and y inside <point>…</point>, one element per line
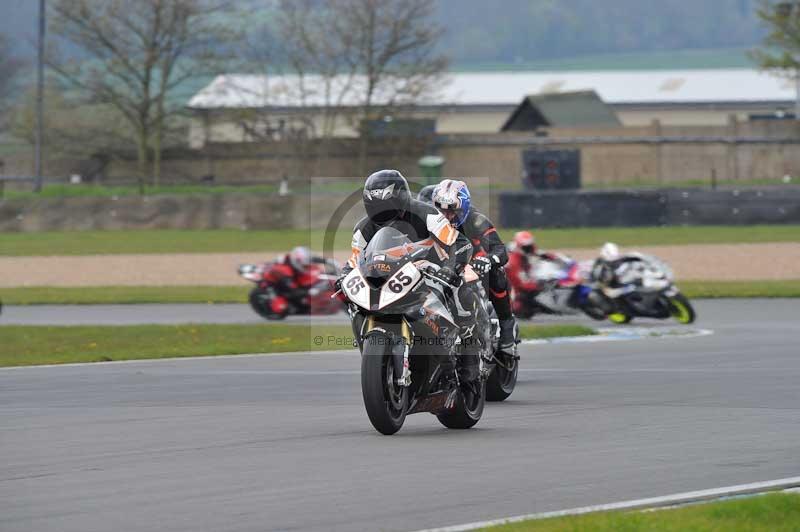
<point>228,241</point>
<point>30,345</point>
<point>773,512</point>
<point>93,295</point>
<point>731,289</point>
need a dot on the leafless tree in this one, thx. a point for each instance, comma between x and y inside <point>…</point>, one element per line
<point>371,56</point>
<point>136,55</point>
<point>9,67</point>
<point>392,43</point>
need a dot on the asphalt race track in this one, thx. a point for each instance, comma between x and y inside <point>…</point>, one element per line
<point>724,311</point>
<point>282,442</point>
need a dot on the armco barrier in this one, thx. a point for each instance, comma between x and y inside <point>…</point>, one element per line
<point>634,208</point>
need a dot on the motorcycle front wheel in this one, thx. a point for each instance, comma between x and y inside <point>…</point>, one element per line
<point>681,309</point>
<point>260,303</point>
<point>386,402</point>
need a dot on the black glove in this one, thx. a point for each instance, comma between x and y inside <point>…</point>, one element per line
<point>481,265</point>
<point>337,285</point>
<point>447,276</point>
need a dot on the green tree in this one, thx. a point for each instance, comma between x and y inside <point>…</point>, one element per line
<point>781,50</point>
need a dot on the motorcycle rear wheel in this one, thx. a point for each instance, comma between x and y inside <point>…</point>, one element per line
<point>596,306</point>
<point>468,408</point>
<point>620,317</point>
<point>681,309</point>
<point>503,379</point>
<point>385,401</point>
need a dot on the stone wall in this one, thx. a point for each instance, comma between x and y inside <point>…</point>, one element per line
<point>656,154</point>
<point>207,211</point>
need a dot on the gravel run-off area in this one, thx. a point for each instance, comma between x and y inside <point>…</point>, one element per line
<point>724,262</point>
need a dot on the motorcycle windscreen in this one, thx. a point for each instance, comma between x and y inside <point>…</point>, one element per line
<point>384,256</point>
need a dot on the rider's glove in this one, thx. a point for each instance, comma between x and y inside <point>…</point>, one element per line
<point>337,285</point>
<point>447,276</point>
<point>481,265</point>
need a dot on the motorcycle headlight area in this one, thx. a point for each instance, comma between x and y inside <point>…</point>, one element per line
<point>355,287</point>
<point>398,285</point>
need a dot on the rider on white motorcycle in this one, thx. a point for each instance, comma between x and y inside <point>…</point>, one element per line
<point>611,269</point>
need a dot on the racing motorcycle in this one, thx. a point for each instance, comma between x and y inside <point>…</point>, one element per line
<point>645,288</point>
<point>564,290</point>
<point>272,300</point>
<point>414,352</point>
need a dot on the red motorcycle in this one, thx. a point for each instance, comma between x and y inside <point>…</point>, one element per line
<point>279,291</point>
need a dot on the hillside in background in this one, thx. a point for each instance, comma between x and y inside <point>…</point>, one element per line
<point>526,32</point>
<point>546,34</point>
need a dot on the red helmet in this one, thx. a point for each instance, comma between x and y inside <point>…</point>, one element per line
<point>524,241</point>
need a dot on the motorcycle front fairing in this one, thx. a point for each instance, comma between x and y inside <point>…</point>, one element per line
<point>389,294</point>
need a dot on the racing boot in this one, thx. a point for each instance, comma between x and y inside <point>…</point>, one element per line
<point>507,335</point>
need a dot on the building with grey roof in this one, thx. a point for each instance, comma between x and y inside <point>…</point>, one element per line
<point>241,108</point>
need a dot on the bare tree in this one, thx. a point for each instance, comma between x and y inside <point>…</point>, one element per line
<point>781,50</point>
<point>9,67</point>
<point>393,45</point>
<point>369,56</point>
<point>136,55</point>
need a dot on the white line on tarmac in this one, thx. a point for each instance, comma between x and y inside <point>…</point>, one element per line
<point>637,504</point>
<point>618,334</point>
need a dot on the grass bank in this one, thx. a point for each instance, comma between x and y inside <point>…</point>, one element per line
<point>774,512</point>
<point>30,345</point>
<point>228,241</point>
<point>732,289</point>
<point>49,295</point>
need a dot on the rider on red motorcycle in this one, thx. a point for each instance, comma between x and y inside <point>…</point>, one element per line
<point>293,270</point>
<point>522,255</point>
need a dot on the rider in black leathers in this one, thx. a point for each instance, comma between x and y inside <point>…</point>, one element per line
<point>388,203</point>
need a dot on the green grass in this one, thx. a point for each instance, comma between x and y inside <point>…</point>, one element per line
<point>161,241</point>
<point>775,512</point>
<point>64,190</point>
<point>97,295</point>
<point>729,289</point>
<point>220,241</point>
<point>29,345</point>
<point>529,331</point>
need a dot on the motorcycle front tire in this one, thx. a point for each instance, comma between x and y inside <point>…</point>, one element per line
<point>681,309</point>
<point>261,306</point>
<point>385,401</point>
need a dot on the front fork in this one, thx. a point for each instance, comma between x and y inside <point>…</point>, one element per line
<point>400,344</point>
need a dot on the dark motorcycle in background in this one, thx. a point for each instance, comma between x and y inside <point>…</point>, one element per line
<point>413,349</point>
<point>645,287</point>
<point>273,300</point>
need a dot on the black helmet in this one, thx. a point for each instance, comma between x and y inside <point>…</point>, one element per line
<point>386,196</point>
<point>426,194</point>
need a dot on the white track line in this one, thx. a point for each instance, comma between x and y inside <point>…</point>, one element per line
<point>638,504</point>
<point>615,334</point>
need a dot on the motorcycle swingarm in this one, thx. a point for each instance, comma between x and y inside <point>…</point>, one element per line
<point>435,403</point>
